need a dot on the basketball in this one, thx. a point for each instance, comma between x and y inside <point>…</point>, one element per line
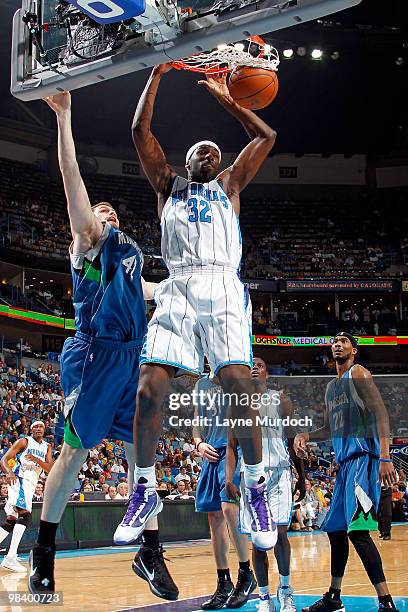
<point>253,88</point>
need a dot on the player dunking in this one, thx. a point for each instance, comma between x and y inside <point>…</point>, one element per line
<point>202,306</point>
<point>357,422</point>
<point>35,456</point>
<point>277,455</point>
<point>99,365</point>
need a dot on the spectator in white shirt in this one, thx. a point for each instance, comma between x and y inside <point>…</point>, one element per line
<point>182,475</point>
<point>116,468</point>
<point>188,446</point>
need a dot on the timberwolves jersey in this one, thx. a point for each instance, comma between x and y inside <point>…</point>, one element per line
<point>274,449</point>
<point>200,227</point>
<point>352,426</point>
<point>29,470</point>
<point>107,289</point>
<point>212,407</point>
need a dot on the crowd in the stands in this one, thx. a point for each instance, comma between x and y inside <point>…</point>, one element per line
<point>350,237</point>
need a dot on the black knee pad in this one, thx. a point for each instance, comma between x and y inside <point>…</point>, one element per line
<point>369,555</point>
<point>24,519</point>
<point>8,524</point>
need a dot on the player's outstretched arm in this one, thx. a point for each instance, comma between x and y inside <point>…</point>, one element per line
<point>368,391</point>
<point>85,227</point>
<point>150,153</point>
<point>18,447</point>
<point>263,137</point>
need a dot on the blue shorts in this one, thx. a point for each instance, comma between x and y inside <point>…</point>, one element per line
<point>210,491</point>
<point>356,496</point>
<point>99,379</point>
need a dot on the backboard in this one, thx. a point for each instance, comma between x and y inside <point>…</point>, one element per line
<point>56,46</point>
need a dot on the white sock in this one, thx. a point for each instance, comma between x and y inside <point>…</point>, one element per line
<point>18,532</point>
<point>284,581</point>
<point>149,473</point>
<point>252,474</point>
<point>264,592</point>
<point>3,534</point>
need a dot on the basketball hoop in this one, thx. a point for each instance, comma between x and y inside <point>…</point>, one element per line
<point>255,53</point>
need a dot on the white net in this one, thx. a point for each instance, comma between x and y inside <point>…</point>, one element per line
<point>254,54</point>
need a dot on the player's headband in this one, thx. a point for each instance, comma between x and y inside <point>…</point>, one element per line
<point>202,143</point>
<point>37,423</point>
<point>352,339</point>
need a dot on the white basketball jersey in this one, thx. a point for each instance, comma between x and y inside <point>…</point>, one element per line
<point>274,449</point>
<point>200,227</point>
<point>29,469</point>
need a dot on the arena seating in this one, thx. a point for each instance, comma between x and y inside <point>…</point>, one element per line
<point>282,239</point>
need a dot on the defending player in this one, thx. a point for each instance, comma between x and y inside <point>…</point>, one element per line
<point>277,457</point>
<point>357,421</point>
<point>212,498</point>
<point>35,456</point>
<point>99,365</point>
<point>202,306</point>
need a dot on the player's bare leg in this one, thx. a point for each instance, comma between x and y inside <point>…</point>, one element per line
<point>282,553</point>
<point>60,482</point>
<point>240,541</point>
<point>144,502</point>
<point>260,562</point>
<point>246,582</point>
<point>17,527</point>
<point>236,380</point>
<point>154,383</point>
<point>220,545</point>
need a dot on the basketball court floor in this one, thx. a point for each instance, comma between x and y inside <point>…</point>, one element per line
<point>102,579</point>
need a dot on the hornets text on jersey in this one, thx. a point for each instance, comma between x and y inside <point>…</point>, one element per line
<point>200,227</point>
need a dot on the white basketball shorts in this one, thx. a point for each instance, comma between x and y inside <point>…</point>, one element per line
<point>203,311</point>
<point>20,495</point>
